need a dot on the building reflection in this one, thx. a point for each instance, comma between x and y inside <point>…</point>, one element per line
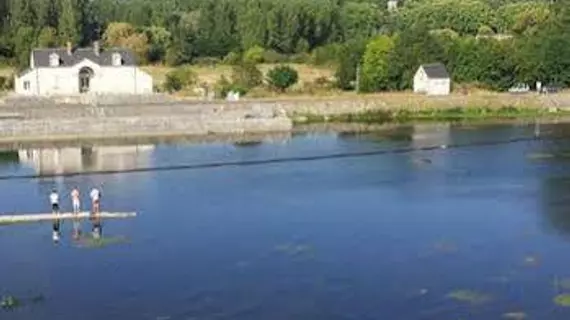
<point>95,158</point>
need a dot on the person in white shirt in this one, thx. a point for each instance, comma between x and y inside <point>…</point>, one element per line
<point>75,200</point>
<point>54,199</point>
<point>95,200</point>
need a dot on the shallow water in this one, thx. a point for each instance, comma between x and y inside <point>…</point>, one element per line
<point>473,232</point>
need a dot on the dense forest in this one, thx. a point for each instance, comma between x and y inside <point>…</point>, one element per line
<point>488,43</point>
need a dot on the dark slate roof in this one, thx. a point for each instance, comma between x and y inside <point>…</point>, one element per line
<point>41,56</point>
<point>436,71</point>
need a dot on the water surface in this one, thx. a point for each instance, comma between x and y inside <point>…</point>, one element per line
<point>386,236</point>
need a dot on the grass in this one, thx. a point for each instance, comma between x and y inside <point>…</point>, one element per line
<point>404,115</point>
<point>307,73</point>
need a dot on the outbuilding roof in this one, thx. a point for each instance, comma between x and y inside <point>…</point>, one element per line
<point>435,71</point>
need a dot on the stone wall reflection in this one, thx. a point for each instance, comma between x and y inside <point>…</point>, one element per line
<point>76,159</point>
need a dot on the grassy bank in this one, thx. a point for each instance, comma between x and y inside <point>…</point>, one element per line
<point>400,116</point>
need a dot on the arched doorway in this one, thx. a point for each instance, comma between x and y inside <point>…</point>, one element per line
<point>85,75</point>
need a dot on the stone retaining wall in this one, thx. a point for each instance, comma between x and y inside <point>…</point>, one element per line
<point>136,126</point>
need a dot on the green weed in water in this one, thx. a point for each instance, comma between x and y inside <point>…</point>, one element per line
<point>295,249</point>
<point>469,296</point>
<point>9,302</point>
<point>94,243</point>
<point>562,283</point>
<point>562,300</point>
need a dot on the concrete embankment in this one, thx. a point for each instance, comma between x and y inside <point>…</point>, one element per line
<point>122,127</point>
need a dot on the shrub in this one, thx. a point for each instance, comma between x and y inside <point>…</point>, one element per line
<point>326,54</point>
<point>207,61</point>
<point>282,77</point>
<point>272,56</point>
<point>232,58</point>
<point>172,83</point>
<point>254,55</point>
<point>180,78</point>
<point>300,58</point>
<point>223,86</point>
<point>246,75</point>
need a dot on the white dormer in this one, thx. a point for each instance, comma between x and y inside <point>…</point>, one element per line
<point>117,60</point>
<point>54,60</point>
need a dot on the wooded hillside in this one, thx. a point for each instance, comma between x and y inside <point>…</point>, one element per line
<point>491,43</point>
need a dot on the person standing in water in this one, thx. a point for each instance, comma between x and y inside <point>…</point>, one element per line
<point>54,199</point>
<point>95,200</point>
<point>75,200</point>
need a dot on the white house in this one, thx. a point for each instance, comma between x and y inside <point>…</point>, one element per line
<point>69,71</point>
<point>432,79</point>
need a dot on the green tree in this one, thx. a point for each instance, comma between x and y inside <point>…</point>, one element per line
<point>47,38</point>
<point>350,56</point>
<point>375,63</point>
<point>68,21</point>
<point>282,77</point>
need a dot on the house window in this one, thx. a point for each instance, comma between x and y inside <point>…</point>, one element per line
<point>117,60</point>
<point>26,85</point>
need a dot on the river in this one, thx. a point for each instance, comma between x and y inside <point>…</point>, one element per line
<point>465,230</point>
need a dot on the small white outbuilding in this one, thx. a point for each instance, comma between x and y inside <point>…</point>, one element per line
<point>432,79</point>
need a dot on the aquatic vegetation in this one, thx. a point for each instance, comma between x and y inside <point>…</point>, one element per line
<point>432,115</point>
<point>295,249</point>
<point>90,242</point>
<point>562,300</point>
<point>9,302</point>
<point>514,315</point>
<point>469,296</point>
<point>562,283</point>
<point>544,156</point>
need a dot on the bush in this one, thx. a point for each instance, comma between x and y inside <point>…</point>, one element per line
<point>179,78</point>
<point>254,55</point>
<point>223,86</point>
<point>282,77</point>
<point>272,56</point>
<point>232,58</point>
<point>300,58</point>
<point>326,55</point>
<point>207,61</point>
<point>246,75</point>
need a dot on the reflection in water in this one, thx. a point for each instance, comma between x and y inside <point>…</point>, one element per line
<point>556,203</point>
<point>56,230</point>
<point>76,159</point>
<point>76,234</point>
<point>9,157</point>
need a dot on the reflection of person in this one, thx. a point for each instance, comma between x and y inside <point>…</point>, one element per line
<point>75,200</point>
<point>55,233</point>
<point>95,200</point>
<point>97,228</point>
<point>76,229</point>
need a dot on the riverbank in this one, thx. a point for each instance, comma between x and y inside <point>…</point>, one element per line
<point>58,121</point>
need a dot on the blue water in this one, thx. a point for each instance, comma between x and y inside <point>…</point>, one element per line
<point>386,236</point>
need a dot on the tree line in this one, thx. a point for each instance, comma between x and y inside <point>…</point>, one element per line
<point>490,43</point>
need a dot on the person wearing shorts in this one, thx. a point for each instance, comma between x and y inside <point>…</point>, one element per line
<point>95,200</point>
<point>54,200</point>
<point>75,200</point>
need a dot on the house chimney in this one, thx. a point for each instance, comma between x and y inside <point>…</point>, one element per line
<point>69,48</point>
<point>96,48</point>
